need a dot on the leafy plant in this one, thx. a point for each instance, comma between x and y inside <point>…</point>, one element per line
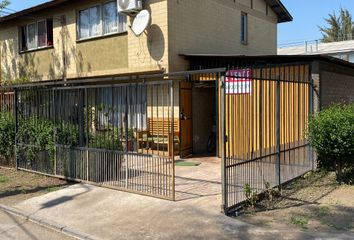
<point>67,134</point>
<point>330,132</point>
<point>251,196</point>
<point>38,135</point>
<point>107,140</point>
<point>270,192</point>
<point>7,134</point>
<point>17,81</point>
<point>301,221</point>
<point>323,211</point>
<point>3,179</point>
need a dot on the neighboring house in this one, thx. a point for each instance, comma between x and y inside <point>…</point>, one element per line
<point>64,39</point>
<point>343,50</point>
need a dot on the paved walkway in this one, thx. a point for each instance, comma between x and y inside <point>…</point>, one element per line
<point>110,214</point>
<point>200,184</point>
<point>12,227</point>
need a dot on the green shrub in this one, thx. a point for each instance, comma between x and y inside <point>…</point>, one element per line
<point>38,135</point>
<point>107,140</point>
<point>67,134</point>
<point>331,133</point>
<point>7,134</point>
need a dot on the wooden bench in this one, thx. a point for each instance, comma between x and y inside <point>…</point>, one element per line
<point>157,139</point>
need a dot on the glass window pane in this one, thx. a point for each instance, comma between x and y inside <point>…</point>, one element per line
<point>23,38</point>
<point>42,34</point>
<point>110,14</point>
<point>122,22</point>
<point>50,32</point>
<point>95,26</point>
<point>31,36</point>
<point>243,28</point>
<point>84,24</point>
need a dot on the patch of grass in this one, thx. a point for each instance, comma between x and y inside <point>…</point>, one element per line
<point>323,211</point>
<point>52,189</point>
<point>297,184</point>
<point>301,221</point>
<point>3,179</point>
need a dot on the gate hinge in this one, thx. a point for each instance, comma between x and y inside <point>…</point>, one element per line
<point>226,139</point>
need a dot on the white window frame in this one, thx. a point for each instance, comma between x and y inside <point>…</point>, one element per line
<point>36,35</point>
<point>102,23</point>
<point>46,33</point>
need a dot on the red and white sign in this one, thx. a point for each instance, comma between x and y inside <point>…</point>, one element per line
<point>238,81</point>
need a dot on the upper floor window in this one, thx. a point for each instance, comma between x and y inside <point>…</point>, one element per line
<point>100,20</point>
<point>244,27</point>
<point>36,35</point>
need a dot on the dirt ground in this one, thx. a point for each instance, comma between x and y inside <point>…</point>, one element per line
<point>313,203</point>
<point>17,186</point>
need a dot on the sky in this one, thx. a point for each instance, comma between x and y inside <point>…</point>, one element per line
<point>308,15</point>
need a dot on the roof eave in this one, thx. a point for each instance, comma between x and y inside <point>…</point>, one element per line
<point>278,7</point>
<point>31,10</point>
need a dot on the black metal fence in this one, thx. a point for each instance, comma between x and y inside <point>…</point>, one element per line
<point>264,113</point>
<point>7,127</point>
<point>101,134</point>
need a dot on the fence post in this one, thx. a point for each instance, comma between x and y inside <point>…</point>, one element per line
<point>55,131</point>
<point>311,111</point>
<point>16,125</point>
<point>277,112</point>
<point>172,144</point>
<point>223,145</point>
<point>126,128</point>
<point>87,135</point>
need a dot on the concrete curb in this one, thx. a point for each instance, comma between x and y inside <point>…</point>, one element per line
<point>48,223</point>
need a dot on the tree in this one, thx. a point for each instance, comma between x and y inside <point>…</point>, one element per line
<point>4,3</point>
<point>340,27</point>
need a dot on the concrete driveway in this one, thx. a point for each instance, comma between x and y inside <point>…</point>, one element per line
<point>12,227</point>
<point>109,214</point>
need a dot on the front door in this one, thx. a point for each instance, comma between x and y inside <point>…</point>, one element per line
<point>186,122</point>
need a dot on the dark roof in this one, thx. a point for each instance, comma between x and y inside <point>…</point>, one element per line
<point>28,11</point>
<point>279,8</point>
<point>282,13</point>
<point>221,58</point>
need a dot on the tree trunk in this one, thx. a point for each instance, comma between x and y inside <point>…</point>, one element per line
<point>339,171</point>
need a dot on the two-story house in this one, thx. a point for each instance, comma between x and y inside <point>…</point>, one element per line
<point>64,39</point>
<point>140,127</point>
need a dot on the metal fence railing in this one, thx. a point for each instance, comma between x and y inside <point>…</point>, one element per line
<point>118,136</point>
<point>266,111</point>
<point>7,127</point>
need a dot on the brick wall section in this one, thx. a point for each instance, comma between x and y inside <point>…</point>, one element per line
<point>336,84</point>
<point>336,88</point>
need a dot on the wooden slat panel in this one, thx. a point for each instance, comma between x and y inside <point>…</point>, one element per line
<point>251,118</point>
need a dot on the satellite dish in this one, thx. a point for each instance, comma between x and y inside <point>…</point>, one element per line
<point>123,4</point>
<point>141,22</point>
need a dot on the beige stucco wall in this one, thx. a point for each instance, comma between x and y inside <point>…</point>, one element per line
<point>213,27</point>
<point>177,26</point>
<point>117,54</point>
